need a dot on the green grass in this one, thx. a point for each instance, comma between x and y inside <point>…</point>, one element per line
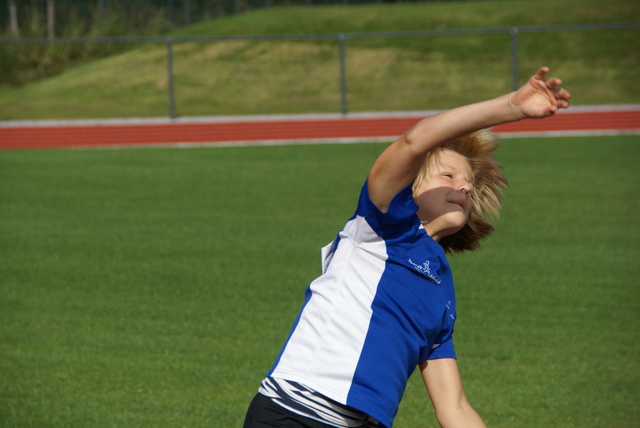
<point>148,288</point>
<point>383,74</point>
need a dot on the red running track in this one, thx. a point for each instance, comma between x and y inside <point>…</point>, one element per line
<point>292,129</point>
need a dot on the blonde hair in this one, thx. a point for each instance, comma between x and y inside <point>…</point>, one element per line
<point>488,186</point>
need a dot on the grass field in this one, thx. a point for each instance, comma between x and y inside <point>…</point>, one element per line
<point>153,288</point>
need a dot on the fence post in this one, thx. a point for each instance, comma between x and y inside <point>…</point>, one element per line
<point>514,57</point>
<point>343,75</point>
<point>172,107</point>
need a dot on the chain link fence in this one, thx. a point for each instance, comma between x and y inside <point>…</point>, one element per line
<point>349,94</point>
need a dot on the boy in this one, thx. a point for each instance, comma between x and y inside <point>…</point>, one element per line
<point>385,302</point>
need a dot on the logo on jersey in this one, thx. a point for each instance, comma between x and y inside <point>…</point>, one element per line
<point>425,270</point>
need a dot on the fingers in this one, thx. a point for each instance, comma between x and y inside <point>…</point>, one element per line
<point>552,84</point>
<point>561,94</point>
<point>541,73</point>
<point>562,97</point>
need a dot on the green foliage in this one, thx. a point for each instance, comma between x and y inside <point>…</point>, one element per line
<point>24,63</point>
<point>148,288</point>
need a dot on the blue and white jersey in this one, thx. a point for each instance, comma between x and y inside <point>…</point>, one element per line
<point>384,303</point>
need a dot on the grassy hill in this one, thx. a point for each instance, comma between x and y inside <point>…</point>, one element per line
<point>287,76</point>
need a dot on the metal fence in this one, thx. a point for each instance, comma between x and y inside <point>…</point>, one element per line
<point>342,38</point>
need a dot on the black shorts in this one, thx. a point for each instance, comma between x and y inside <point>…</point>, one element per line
<point>263,413</point>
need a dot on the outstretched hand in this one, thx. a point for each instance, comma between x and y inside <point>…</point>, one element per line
<point>539,98</point>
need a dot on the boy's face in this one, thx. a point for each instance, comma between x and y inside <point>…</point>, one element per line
<point>445,199</point>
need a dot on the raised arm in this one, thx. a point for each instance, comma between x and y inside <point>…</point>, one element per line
<point>399,164</point>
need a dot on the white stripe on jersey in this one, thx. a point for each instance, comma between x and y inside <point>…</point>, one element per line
<point>336,314</point>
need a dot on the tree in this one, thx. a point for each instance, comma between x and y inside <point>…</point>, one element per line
<point>51,19</point>
<point>13,18</point>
